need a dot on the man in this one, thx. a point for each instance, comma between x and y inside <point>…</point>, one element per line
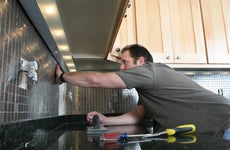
<point>169,97</point>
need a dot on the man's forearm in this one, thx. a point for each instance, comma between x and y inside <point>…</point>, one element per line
<point>124,119</point>
<point>90,79</point>
<point>133,117</point>
<point>82,79</point>
<point>94,79</point>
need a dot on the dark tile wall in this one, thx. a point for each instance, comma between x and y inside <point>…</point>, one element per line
<point>106,100</point>
<point>19,39</point>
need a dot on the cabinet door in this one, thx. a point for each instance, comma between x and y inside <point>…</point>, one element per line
<point>216,18</point>
<point>127,31</point>
<point>153,28</point>
<point>187,31</point>
<point>171,30</point>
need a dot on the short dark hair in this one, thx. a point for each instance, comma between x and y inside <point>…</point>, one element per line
<point>137,51</point>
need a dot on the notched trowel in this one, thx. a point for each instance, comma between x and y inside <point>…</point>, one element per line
<point>97,128</point>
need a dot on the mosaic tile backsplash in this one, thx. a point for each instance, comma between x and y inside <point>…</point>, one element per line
<point>22,98</point>
<point>19,39</point>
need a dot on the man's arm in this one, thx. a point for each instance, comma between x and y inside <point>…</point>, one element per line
<point>91,79</point>
<point>133,117</point>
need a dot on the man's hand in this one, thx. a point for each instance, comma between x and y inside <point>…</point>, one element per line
<point>91,114</point>
<point>58,74</point>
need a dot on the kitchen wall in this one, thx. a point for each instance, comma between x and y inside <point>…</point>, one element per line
<point>106,100</point>
<point>21,98</point>
<point>216,81</point>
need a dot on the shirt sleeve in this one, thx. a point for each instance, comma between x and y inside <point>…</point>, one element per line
<point>137,77</point>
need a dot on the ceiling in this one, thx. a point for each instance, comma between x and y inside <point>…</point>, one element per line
<point>89,28</point>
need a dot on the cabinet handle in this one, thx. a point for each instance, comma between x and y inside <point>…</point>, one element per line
<point>129,5</point>
<point>168,57</point>
<point>118,49</point>
<point>178,57</point>
<point>125,15</point>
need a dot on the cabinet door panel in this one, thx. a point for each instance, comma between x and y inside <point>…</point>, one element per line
<point>121,39</point>
<point>153,28</point>
<point>187,31</point>
<point>226,11</point>
<point>171,30</point>
<point>127,31</point>
<point>216,28</point>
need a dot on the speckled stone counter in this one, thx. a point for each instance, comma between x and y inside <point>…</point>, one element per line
<point>16,135</point>
<point>69,132</point>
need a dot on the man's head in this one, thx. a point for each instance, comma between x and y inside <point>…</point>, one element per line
<point>134,55</point>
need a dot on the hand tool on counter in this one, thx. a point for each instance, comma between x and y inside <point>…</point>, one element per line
<point>181,139</point>
<point>183,129</point>
<point>97,128</point>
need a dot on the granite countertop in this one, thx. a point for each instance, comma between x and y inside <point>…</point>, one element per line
<point>69,132</point>
<point>14,135</point>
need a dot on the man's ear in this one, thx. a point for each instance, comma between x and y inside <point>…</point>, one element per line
<point>141,60</point>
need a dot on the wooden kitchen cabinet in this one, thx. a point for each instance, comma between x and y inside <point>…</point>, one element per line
<point>185,33</point>
<point>171,29</point>
<point>127,31</point>
<point>216,20</point>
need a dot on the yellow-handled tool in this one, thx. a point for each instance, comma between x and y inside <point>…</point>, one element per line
<point>183,129</point>
<point>183,139</point>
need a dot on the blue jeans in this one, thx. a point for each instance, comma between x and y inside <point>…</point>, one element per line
<point>226,135</point>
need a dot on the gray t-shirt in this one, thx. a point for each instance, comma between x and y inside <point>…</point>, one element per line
<point>173,99</point>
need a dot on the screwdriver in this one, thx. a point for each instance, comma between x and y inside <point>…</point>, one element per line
<point>181,139</point>
<point>183,129</point>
